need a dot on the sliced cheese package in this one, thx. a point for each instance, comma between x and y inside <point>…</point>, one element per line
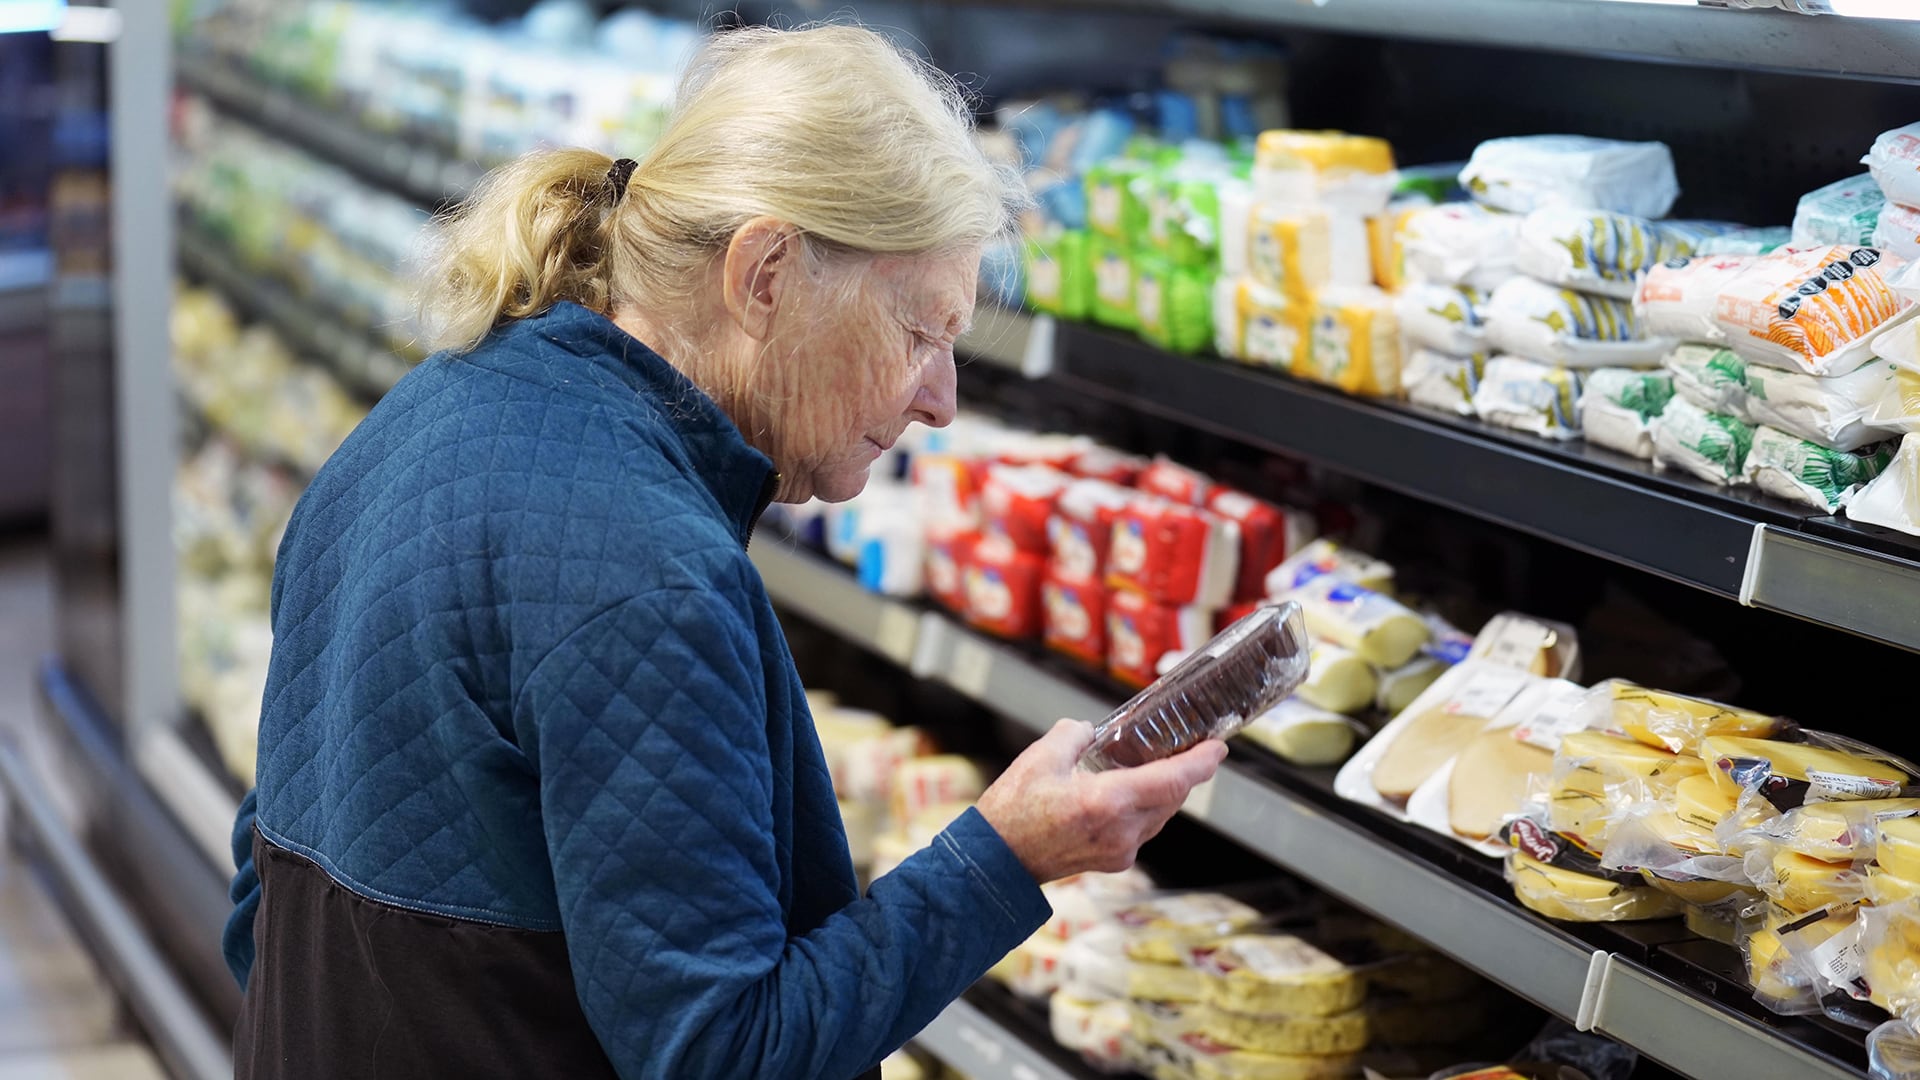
<point>1410,750</point>
<point>1619,405</point>
<point>1446,318</point>
<point>1789,467</point>
<point>1441,381</point>
<point>1596,251</point>
<point>1672,722</point>
<point>1340,1033</point>
<point>1528,396</point>
<point>1303,734</point>
<point>1373,626</point>
<point>1329,558</point>
<point>1711,446</point>
<point>1338,680</point>
<point>1844,212</point>
<point>1461,244</point>
<point>1810,310</point>
<point>1894,164</point>
<point>1354,342</point>
<point>1530,172</point>
<point>1534,645</point>
<point>1554,325</point>
<point>1492,777</point>
<point>1892,499</point>
<point>1277,974</point>
<point>1676,298</point>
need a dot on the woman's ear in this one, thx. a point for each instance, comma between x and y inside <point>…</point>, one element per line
<point>760,269</point>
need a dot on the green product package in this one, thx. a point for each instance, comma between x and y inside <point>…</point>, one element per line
<point>1115,208</point>
<point>1173,304</point>
<point>1644,393</point>
<point>1110,266</point>
<point>1711,377</point>
<point>1712,446</point>
<point>1184,225</point>
<point>1059,279</point>
<point>1792,468</point>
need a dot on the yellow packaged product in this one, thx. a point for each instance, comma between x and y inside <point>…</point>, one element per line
<point>1323,153</point>
<point>1896,847</point>
<point>1035,970</point>
<point>1160,1023</point>
<point>1341,1033</point>
<point>1825,774</point>
<point>1337,680</point>
<point>1094,965</point>
<point>1492,776</point>
<point>1714,922</point>
<point>1386,238</point>
<point>1677,723</point>
<point>1776,983</point>
<point>1273,328</point>
<point>1404,1022</point>
<point>1799,884</point>
<point>1303,734</point>
<point>1809,309</point>
<point>1842,832</point>
<point>1666,827</point>
<point>1196,1057</point>
<point>1354,344</point>
<point>1290,249</point>
<point>1592,761</point>
<point>1885,889</point>
<point>1263,974</point>
<point>1564,894</point>
<point>1699,802</point>
<point>1162,930</point>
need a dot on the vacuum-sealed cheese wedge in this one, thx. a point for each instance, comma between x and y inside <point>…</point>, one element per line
<point>1897,848</point>
<point>1162,930</point>
<point>1845,832</point>
<point>1492,776</point>
<point>1303,734</point>
<point>1677,723</point>
<point>1375,627</point>
<point>1574,897</point>
<point>1592,761</point>
<point>1825,775</point>
<point>1698,801</point>
<point>1800,884</point>
<point>1341,1033</point>
<point>1268,974</point>
<point>1885,889</point>
<point>1337,680</point>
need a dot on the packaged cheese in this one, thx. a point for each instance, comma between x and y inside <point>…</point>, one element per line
<point>1200,1058</point>
<point>1531,172</point>
<point>1528,396</point>
<point>1095,1029</point>
<point>1670,722</point>
<point>1338,680</point>
<point>1885,888</point>
<point>1574,897</point>
<point>1439,725</point>
<point>1699,802</point>
<point>1594,761</point>
<point>1273,974</point>
<point>1033,969</point>
<point>1085,901</point>
<point>1711,446</point>
<point>1002,585</point>
<point>1618,407</point>
<point>1291,249</point>
<point>1492,776</point>
<point>1354,342</point>
<point>1788,467</point>
<point>1898,231</point>
<point>1440,381</point>
<point>1892,499</point>
<point>1352,173</point>
<point>1896,846</point>
<point>1402,686</point>
<point>1178,555</point>
<point>1788,774</point>
<point>1095,966</point>
<point>1890,944</point>
<point>1081,528</point>
<point>1164,929</point>
<point>1894,164</point>
<point>1809,310</point>
<point>1375,627</point>
<point>1303,734</point>
<point>1075,614</point>
<point>1843,212</point>
<point>1341,1033</point>
<point>1541,322</point>
<point>1800,884</point>
<point>1594,250</point>
<point>1018,500</point>
<point>1446,318</point>
<point>1273,329</point>
<point>1328,558</point>
<point>1675,299</point>
<point>1461,244</point>
<point>1840,832</point>
<point>1268,534</point>
<point>1140,631</point>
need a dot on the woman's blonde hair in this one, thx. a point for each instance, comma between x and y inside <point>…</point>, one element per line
<point>862,146</point>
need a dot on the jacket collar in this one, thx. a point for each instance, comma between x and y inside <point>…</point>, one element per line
<point>741,479</point>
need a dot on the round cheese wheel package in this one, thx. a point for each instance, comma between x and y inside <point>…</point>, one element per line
<point>1575,897</point>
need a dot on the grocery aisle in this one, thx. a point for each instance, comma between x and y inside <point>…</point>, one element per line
<point>59,1018</point>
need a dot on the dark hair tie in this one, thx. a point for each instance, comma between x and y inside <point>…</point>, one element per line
<point>619,175</point>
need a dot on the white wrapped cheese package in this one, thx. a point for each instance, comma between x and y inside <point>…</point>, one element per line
<point>1898,232</point>
<point>1597,251</point>
<point>1532,319</point>
<point>1711,446</point>
<point>1375,627</point>
<point>1713,378</point>
<point>1461,244</point>
<point>1892,499</point>
<point>1618,407</point>
<point>1303,734</point>
<point>1531,172</point>
<point>1326,558</point>
<point>1337,680</point>
<point>1894,164</point>
<point>1529,396</point>
<point>1843,212</point>
<point>1794,469</point>
<point>1446,318</point>
<point>1437,380</point>
<point>1676,298</point>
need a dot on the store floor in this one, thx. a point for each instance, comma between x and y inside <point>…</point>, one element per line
<point>59,1019</point>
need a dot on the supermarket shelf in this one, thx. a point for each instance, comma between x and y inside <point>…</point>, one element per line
<point>1014,340</point>
<point>972,1039</point>
<point>416,172</point>
<point>1741,546</point>
<point>354,354</point>
<point>1412,879</point>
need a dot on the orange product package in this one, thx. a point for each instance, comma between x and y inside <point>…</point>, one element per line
<point>1810,309</point>
<point>1140,631</point>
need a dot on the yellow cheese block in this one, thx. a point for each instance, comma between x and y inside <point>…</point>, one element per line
<point>1800,884</point>
<point>1265,974</point>
<point>1897,848</point>
<point>1162,1023</point>
<point>1376,627</point>
<point>1677,723</point>
<point>1337,680</point>
<point>1666,826</point>
<point>1573,897</point>
<point>1354,344</point>
<point>1273,327</point>
<point>1161,931</point>
<point>1713,922</point>
<point>1698,893</point>
<point>1591,761</point>
<point>1841,831</point>
<point>1884,888</point>
<point>1402,686</point>
<point>1303,734</point>
<point>1699,802</point>
<point>1836,770</point>
<point>1492,777</point>
<point>1290,250</point>
<point>1400,1022</point>
<point>1891,965</point>
<point>1767,968</point>
<point>1094,966</point>
<point>1341,1033</point>
<point>1581,815</point>
<point>1322,151</point>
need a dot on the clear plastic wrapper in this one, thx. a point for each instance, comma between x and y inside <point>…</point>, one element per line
<point>1164,929</point>
<point>1560,326</point>
<point>1667,721</point>
<point>1810,309</point>
<point>1619,406</point>
<point>1418,743</point>
<point>1789,467</point>
<point>1600,252</point>
<point>1890,951</point>
<point>1248,669</point>
<point>1892,499</point>
<point>1094,966</point>
<point>1676,856</point>
<point>1598,777</point>
<point>1570,896</point>
<point>1893,1051</point>
<point>1711,446</point>
<point>1528,396</point>
<point>1818,767</point>
<point>1527,173</point>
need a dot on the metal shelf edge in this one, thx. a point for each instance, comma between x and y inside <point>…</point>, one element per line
<point>972,1042</point>
<point>1667,1023</point>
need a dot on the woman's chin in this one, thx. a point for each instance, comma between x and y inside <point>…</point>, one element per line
<point>841,484</point>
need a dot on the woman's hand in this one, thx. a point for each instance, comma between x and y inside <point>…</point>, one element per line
<point>1060,821</point>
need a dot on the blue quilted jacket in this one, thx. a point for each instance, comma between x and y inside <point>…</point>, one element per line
<point>538,791</point>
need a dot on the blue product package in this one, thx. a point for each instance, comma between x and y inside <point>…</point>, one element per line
<point>1179,116</point>
<point>1103,134</point>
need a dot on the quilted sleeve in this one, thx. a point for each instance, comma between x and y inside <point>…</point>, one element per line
<point>236,941</point>
<point>650,727</point>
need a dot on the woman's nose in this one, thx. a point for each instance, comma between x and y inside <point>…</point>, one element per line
<point>937,399</point>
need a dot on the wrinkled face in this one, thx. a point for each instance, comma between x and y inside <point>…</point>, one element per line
<point>857,363</point>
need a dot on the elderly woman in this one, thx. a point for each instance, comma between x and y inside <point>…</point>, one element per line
<point>538,791</point>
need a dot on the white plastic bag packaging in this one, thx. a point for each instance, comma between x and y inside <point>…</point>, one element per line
<point>1811,309</point>
<point>1844,212</point>
<point>1619,405</point>
<point>1530,172</point>
<point>1446,318</point>
<point>1898,232</point>
<point>1676,298</point>
<point>1794,469</point>
<point>1438,380</point>
<point>1529,396</point>
<point>1461,244</point>
<point>1532,319</point>
<point>1841,412</point>
<point>1892,499</point>
<point>1894,163</point>
<point>1711,446</point>
<point>1600,252</point>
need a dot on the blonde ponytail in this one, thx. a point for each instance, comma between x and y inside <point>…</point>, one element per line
<point>864,147</point>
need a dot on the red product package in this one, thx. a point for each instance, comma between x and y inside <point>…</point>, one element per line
<point>1268,534</point>
<point>948,553</point>
<point>1082,527</point>
<point>1017,500</point>
<point>1176,482</point>
<point>949,487</point>
<point>1178,555</point>
<point>1003,588</point>
<point>1140,632</point>
<point>1075,610</point>
<point>1230,615</point>
<point>1106,463</point>
<point>1027,448</point>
